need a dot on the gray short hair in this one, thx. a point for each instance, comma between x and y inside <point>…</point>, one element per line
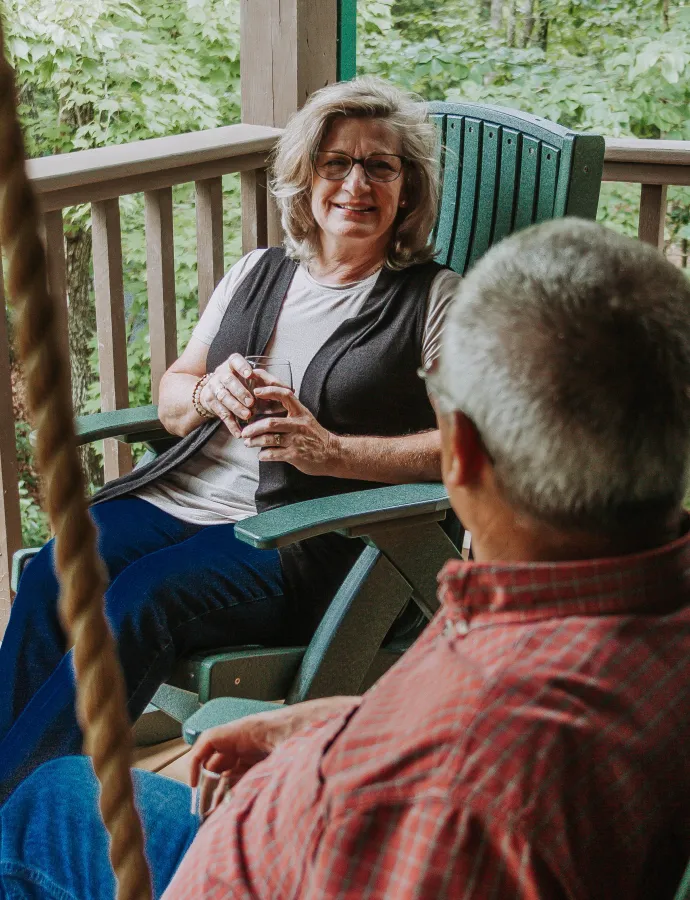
<point>371,98</point>
<point>568,346</point>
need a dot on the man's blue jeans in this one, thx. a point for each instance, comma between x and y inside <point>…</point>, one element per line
<point>175,588</point>
<point>53,843</point>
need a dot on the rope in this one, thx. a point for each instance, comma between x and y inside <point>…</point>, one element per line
<point>101,706</point>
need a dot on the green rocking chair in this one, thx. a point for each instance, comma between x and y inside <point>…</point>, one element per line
<point>501,171</point>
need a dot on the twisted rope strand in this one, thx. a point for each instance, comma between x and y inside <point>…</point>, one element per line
<point>101,706</point>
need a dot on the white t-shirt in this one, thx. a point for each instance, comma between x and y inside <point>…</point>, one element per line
<point>218,484</point>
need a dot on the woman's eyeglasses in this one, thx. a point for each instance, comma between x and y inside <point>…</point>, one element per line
<point>378,167</point>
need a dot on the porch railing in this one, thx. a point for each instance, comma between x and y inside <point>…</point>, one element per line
<point>100,177</point>
<point>655,165</point>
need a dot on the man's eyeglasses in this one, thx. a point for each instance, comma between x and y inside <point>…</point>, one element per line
<point>334,166</point>
<point>430,376</point>
<point>443,400</point>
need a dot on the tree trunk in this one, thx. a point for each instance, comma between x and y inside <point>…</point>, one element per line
<point>510,28</point>
<point>82,328</point>
<point>497,14</point>
<point>543,31</point>
<point>527,11</point>
<point>664,13</point>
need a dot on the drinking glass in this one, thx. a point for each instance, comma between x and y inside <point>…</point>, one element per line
<point>277,369</point>
<point>209,793</point>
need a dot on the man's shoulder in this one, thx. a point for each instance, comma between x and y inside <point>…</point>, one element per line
<point>580,706</point>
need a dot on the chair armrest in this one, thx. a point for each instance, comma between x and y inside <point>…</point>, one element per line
<point>222,711</point>
<point>343,513</point>
<point>19,560</point>
<point>141,420</point>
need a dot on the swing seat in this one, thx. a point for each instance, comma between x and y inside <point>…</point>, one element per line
<point>501,171</point>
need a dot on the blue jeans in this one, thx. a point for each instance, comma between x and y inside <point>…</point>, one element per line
<point>54,845</point>
<point>175,588</point>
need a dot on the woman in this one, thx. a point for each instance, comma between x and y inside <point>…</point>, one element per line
<point>355,303</point>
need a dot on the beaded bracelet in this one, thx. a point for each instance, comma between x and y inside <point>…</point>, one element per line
<point>196,397</point>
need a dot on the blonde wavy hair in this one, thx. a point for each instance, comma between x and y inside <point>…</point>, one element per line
<point>362,98</point>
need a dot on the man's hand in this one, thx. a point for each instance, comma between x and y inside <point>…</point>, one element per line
<point>238,746</point>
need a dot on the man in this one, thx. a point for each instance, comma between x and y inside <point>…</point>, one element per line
<point>533,743</point>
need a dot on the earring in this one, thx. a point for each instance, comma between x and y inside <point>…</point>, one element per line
<point>403,203</point>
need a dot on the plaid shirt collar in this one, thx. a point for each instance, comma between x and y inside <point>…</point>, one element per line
<point>656,581</point>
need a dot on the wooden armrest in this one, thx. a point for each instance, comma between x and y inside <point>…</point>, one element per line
<point>345,513</point>
<point>141,421</point>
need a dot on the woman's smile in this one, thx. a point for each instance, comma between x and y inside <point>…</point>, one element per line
<point>351,209</point>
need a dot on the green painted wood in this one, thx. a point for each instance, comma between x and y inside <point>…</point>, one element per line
<point>418,554</point>
<point>351,633</point>
<point>585,176</point>
<point>439,123</point>
<point>488,182</point>
<point>467,206</point>
<point>528,184</point>
<point>451,158</point>
<point>19,560</point>
<point>221,712</point>
<point>507,184</point>
<point>139,420</point>
<point>298,521</point>
<point>683,892</point>
<point>347,40</point>
<point>176,702</point>
<point>548,179</point>
<point>259,673</point>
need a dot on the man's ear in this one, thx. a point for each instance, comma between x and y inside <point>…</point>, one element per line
<point>465,455</point>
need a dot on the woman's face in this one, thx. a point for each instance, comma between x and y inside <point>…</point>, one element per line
<point>357,209</point>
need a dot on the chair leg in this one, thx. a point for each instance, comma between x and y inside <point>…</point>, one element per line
<point>418,553</point>
<point>352,631</point>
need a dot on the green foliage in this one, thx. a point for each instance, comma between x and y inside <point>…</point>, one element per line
<point>34,525</point>
<point>114,71</point>
<point>615,67</point>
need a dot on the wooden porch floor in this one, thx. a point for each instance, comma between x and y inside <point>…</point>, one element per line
<point>171,758</point>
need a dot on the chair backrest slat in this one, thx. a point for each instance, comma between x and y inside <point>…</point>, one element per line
<point>548,178</point>
<point>507,184</point>
<point>503,170</point>
<point>469,184</point>
<point>529,180</point>
<point>488,182</point>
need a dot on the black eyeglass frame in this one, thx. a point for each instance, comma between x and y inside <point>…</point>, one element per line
<point>354,160</point>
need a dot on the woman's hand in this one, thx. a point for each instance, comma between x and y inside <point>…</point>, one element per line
<point>226,395</point>
<point>297,439</point>
<point>238,746</point>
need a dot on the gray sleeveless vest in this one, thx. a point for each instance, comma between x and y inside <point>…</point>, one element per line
<point>362,381</point>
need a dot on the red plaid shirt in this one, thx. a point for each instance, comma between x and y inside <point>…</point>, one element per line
<point>532,744</point>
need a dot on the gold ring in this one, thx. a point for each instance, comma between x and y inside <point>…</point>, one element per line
<point>276,440</point>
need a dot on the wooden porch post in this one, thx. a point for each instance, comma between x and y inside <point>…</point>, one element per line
<point>288,49</point>
<point>10,522</point>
